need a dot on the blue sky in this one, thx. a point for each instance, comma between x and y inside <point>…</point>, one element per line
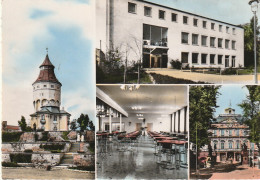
<point>67,29</point>
<point>231,11</point>
<point>234,93</point>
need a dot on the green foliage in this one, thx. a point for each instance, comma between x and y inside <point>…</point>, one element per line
<point>176,64</point>
<point>11,136</point>
<point>52,147</point>
<point>28,150</point>
<point>28,129</point>
<point>21,158</point>
<point>251,112</point>
<point>229,71</point>
<point>65,135</point>
<point>85,123</point>
<point>44,136</point>
<point>84,168</point>
<point>9,164</point>
<point>203,102</point>
<point>92,147</point>
<point>73,125</point>
<point>22,124</point>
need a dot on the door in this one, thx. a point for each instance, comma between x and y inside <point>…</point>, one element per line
<point>149,126</point>
<point>227,61</point>
<point>138,126</point>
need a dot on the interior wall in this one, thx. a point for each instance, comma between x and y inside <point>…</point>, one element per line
<point>182,120</point>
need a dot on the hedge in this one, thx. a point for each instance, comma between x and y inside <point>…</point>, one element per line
<point>21,158</point>
<point>9,164</point>
<point>11,136</point>
<point>52,147</point>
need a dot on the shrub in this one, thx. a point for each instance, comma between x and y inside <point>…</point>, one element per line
<point>52,147</point>
<point>11,136</point>
<point>21,158</point>
<point>229,71</point>
<point>84,168</point>
<point>9,164</point>
<point>36,137</point>
<point>92,147</point>
<point>65,135</point>
<point>28,151</point>
<point>176,64</point>
<point>44,136</point>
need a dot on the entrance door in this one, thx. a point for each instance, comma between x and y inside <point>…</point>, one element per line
<point>138,126</point>
<point>152,62</point>
<point>149,126</point>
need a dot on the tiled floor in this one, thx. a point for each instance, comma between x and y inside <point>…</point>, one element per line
<point>136,163</point>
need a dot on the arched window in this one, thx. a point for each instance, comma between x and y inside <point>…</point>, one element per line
<point>230,144</point>
<point>222,144</point>
<point>215,145</point>
<point>238,144</point>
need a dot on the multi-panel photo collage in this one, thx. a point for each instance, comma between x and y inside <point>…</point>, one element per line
<point>130,89</point>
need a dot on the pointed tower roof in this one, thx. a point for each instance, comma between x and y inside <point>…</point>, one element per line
<point>47,72</point>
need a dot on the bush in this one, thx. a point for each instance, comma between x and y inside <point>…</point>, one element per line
<point>21,158</point>
<point>229,71</point>
<point>9,164</point>
<point>92,147</point>
<point>11,136</point>
<point>28,151</point>
<point>84,168</point>
<point>55,151</point>
<point>44,136</point>
<point>52,147</point>
<point>65,135</point>
<point>176,64</point>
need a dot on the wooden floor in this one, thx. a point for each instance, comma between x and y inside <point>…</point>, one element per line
<point>135,163</point>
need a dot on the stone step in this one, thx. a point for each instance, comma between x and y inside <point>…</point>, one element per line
<point>74,147</point>
<point>67,159</point>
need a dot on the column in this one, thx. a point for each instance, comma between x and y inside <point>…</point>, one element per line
<point>171,123</point>
<point>110,121</point>
<point>120,124</point>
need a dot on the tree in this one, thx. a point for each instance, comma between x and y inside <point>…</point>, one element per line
<point>251,113</point>
<point>22,124</point>
<point>73,125</point>
<point>85,123</point>
<point>249,42</point>
<point>203,102</point>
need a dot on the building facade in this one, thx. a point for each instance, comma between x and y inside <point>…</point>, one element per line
<point>47,100</point>
<point>229,135</point>
<point>157,34</point>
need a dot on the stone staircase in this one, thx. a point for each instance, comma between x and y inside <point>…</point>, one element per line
<point>67,160</point>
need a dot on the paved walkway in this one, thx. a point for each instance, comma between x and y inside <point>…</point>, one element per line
<point>241,172</point>
<point>33,173</point>
<point>209,78</point>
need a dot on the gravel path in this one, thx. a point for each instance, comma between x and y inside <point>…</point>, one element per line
<point>33,173</point>
<point>210,78</point>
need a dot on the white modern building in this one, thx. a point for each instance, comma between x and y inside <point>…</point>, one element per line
<point>157,34</point>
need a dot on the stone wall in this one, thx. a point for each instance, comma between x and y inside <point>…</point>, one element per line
<point>90,136</point>
<point>6,158</point>
<point>46,159</point>
<point>84,159</point>
<point>84,147</point>
<point>27,137</point>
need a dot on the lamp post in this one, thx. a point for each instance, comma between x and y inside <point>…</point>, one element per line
<point>254,8</point>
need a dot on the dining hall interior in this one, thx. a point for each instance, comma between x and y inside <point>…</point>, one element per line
<point>142,131</point>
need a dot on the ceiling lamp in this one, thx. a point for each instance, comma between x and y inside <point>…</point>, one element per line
<point>130,87</point>
<point>136,107</point>
<point>139,115</point>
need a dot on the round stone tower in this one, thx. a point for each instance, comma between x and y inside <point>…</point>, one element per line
<point>46,88</point>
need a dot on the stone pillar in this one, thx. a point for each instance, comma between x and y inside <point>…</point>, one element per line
<point>110,121</point>
<point>120,123</point>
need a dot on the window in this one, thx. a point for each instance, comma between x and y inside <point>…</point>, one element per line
<point>43,117</point>
<point>204,23</point>
<point>52,86</point>
<point>220,59</point>
<point>233,61</point>
<point>226,61</point>
<point>195,58</point>
<point>131,7</point>
<point>230,144</point>
<point>220,28</point>
<point>234,31</point>
<point>195,38</point>
<point>220,42</point>
<point>212,42</point>
<point>222,144</point>
<point>204,60</point>
<point>213,26</point>
<point>148,11</point>
<point>185,20</point>
<point>212,59</point>
<point>215,145</point>
<point>55,118</point>
<point>230,132</point>
<point>161,14</point>
<point>233,45</point>
<point>106,127</point>
<point>227,29</point>
<point>237,132</point>
<point>215,132</point>
<point>222,132</point>
<point>44,85</point>
<point>238,144</point>
<point>184,57</point>
<point>204,40</point>
<point>184,38</point>
<point>227,44</point>
<point>195,22</point>
<point>174,17</point>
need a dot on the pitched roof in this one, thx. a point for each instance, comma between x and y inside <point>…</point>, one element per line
<point>47,74</point>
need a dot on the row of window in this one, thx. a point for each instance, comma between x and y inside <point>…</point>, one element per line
<point>45,86</point>
<point>230,132</point>
<point>230,144</point>
<point>132,8</point>
<point>204,40</point>
<point>204,59</point>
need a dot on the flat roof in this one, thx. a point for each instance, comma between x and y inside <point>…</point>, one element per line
<point>167,7</point>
